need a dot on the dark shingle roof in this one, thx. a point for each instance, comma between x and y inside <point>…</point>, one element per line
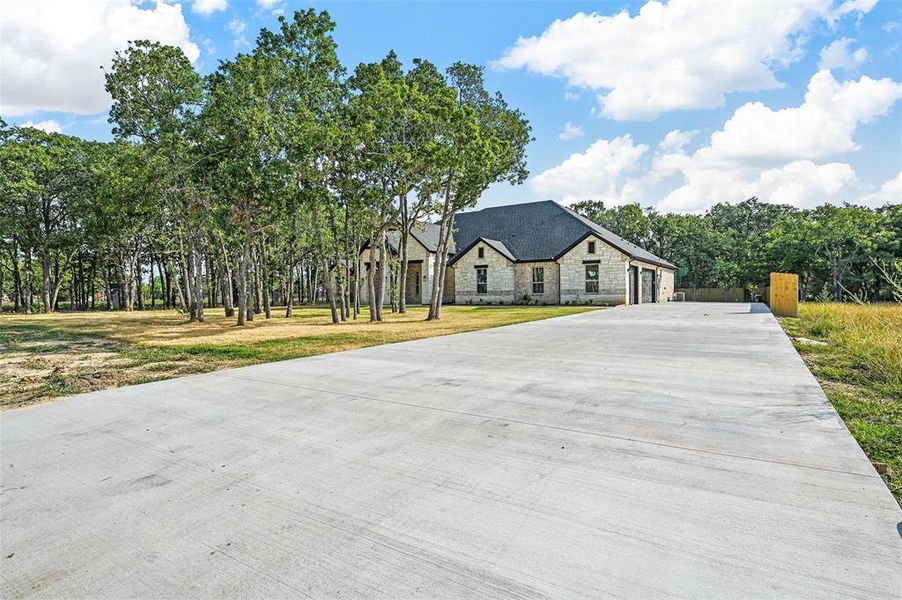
<point>426,234</point>
<point>539,231</point>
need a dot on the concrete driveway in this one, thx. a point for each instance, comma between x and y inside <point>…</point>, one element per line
<point>678,450</point>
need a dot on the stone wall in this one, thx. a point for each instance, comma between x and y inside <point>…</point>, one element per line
<point>664,277</point>
<point>523,282</point>
<point>612,274</point>
<point>500,277</point>
<point>415,252</point>
<point>449,295</point>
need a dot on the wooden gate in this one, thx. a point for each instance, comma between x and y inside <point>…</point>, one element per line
<point>784,294</point>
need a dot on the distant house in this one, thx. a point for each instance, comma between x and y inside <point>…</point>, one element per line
<point>539,252</point>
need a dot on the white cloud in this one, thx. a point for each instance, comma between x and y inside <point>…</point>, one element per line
<point>850,6</point>
<point>838,56</point>
<point>680,55</point>
<point>771,153</point>
<point>821,126</point>
<point>889,193</point>
<point>777,155</point>
<point>236,26</point>
<point>571,96</point>
<point>804,184</point>
<point>267,3</point>
<point>571,131</point>
<point>52,50</point>
<point>208,7</point>
<point>50,126</point>
<point>597,174</point>
<point>676,140</point>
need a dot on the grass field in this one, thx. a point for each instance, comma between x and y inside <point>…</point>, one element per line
<point>47,356</point>
<point>855,351</point>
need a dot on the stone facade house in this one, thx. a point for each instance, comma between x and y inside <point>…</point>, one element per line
<point>536,253</point>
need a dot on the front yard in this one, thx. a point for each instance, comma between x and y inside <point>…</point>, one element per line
<point>855,351</point>
<point>47,356</point>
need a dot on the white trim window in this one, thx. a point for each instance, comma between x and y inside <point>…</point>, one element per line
<point>538,280</point>
<point>482,280</point>
<point>592,278</point>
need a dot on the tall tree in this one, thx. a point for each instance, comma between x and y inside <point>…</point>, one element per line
<point>156,95</point>
<point>484,142</point>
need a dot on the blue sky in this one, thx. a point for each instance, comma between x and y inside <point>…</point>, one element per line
<point>727,81</point>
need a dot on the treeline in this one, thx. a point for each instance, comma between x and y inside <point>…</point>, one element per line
<point>837,251</point>
<point>254,186</point>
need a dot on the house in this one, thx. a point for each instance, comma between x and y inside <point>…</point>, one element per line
<point>538,252</point>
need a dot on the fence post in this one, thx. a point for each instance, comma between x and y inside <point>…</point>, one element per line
<point>784,294</point>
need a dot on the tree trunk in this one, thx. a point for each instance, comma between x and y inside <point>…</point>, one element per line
<point>153,284</point>
<point>435,301</point>
<point>402,243</point>
<point>45,290</point>
<point>380,275</point>
<point>264,280</point>
<point>18,300</point>
<point>242,273</point>
<point>371,278</point>
<point>198,282</point>
<point>324,264</point>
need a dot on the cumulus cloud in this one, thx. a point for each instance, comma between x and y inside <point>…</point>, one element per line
<point>771,153</point>
<point>680,55</point>
<point>237,27</point>
<point>597,174</point>
<point>52,50</point>
<point>676,140</point>
<point>571,131</point>
<point>838,56</point>
<point>785,156</point>
<point>889,193</point>
<point>821,126</point>
<point>804,184</point>
<point>50,126</point>
<point>208,7</point>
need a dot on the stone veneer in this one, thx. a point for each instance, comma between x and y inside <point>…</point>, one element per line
<point>523,282</point>
<point>500,277</point>
<point>612,274</point>
<point>665,279</point>
<point>415,251</point>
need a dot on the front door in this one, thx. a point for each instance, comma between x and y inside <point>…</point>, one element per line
<point>414,293</point>
<point>648,285</point>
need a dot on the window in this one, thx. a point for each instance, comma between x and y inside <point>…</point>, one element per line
<point>592,279</point>
<point>481,252</point>
<point>591,249</point>
<point>538,280</point>
<point>482,280</point>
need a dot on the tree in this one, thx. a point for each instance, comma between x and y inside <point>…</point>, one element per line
<point>156,95</point>
<point>484,142</point>
<point>45,183</point>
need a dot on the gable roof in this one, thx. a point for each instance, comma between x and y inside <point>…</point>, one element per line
<point>427,234</point>
<point>496,245</point>
<point>539,231</point>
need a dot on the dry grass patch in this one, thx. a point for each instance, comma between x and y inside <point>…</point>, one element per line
<point>858,362</point>
<point>47,356</point>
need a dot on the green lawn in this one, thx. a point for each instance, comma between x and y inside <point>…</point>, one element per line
<point>47,356</point>
<point>855,351</point>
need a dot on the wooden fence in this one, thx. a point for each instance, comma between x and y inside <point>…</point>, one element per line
<point>784,294</point>
<point>724,294</point>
